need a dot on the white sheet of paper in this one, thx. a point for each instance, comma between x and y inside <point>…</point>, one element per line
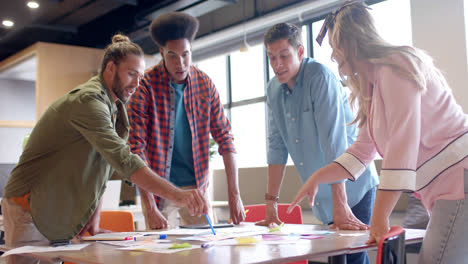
<point>353,233</point>
<point>131,243</point>
<point>158,248</point>
<point>221,236</point>
<point>37,249</point>
<point>118,235</point>
<point>183,231</point>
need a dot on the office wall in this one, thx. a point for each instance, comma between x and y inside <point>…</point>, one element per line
<point>13,94</point>
<point>439,28</point>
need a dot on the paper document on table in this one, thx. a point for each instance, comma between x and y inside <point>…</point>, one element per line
<point>158,248</point>
<point>252,240</point>
<point>119,236</point>
<point>220,236</point>
<point>38,249</point>
<point>183,231</point>
<point>131,243</point>
<point>353,233</point>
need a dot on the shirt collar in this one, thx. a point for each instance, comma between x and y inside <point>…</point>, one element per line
<point>300,76</point>
<point>108,92</point>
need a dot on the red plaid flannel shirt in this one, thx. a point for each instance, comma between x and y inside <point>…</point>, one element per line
<point>149,113</point>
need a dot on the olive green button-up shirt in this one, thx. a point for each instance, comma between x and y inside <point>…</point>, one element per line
<point>71,153</point>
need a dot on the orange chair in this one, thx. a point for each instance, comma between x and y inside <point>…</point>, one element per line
<point>117,221</point>
<point>257,213</point>
<point>391,249</point>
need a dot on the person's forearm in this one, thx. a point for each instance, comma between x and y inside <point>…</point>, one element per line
<point>339,195</point>
<point>230,167</point>
<point>275,178</point>
<point>333,172</point>
<point>385,201</point>
<point>149,181</point>
<point>147,199</point>
<point>97,213</point>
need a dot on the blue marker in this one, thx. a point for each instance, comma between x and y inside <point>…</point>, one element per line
<point>150,236</point>
<point>209,222</point>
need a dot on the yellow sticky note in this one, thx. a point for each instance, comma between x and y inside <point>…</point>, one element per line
<point>178,246</point>
<point>246,240</point>
<point>278,228</point>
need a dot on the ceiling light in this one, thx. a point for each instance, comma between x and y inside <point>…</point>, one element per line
<point>8,23</point>
<point>33,4</point>
<point>245,46</point>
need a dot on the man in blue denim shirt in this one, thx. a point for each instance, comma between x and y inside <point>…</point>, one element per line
<point>308,113</point>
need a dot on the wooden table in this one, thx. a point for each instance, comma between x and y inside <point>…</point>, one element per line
<point>334,245</point>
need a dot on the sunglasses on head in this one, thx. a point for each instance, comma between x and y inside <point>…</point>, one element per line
<point>330,19</point>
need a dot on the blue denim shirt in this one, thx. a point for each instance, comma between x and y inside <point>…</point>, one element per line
<point>310,123</point>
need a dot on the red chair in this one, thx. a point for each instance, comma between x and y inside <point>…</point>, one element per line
<point>257,212</point>
<point>391,248</point>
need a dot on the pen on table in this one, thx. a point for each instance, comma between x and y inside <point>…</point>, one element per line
<point>207,244</point>
<point>150,236</point>
<point>230,220</point>
<point>209,222</point>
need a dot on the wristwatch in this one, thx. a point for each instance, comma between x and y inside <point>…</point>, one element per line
<point>271,197</point>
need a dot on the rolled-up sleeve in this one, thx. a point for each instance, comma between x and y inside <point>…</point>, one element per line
<point>92,118</point>
<point>359,155</point>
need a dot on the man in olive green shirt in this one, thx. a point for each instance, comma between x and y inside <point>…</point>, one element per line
<point>72,152</point>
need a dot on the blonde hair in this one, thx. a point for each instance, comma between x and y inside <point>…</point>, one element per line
<point>354,38</point>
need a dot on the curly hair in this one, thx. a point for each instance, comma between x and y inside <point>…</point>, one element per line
<point>172,26</point>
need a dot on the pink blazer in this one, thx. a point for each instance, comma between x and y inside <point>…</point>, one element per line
<point>422,138</point>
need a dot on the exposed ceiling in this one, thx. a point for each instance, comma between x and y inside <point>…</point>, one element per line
<point>91,23</point>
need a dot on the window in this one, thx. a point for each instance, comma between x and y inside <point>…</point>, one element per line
<point>247,75</point>
<point>305,40</point>
<point>248,126</point>
<point>395,31</point>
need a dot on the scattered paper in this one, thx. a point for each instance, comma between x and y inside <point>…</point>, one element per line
<point>183,231</point>
<point>119,236</point>
<point>260,239</point>
<point>220,236</point>
<point>353,233</point>
<point>179,246</point>
<point>131,243</point>
<point>37,249</point>
<point>158,248</point>
<point>310,237</point>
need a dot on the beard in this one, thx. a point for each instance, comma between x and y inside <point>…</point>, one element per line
<point>119,89</point>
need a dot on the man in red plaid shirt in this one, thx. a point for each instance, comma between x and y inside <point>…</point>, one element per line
<point>172,114</point>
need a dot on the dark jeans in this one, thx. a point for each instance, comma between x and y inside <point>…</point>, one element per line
<point>363,211</point>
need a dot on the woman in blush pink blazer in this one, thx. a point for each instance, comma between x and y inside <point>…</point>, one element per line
<point>408,115</point>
